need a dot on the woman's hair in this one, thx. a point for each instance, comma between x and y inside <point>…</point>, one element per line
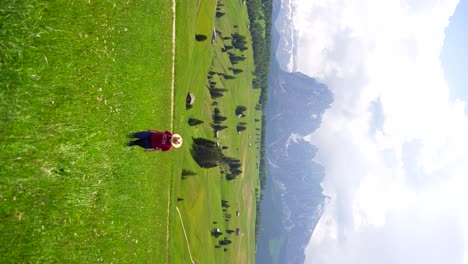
<point>176,141</point>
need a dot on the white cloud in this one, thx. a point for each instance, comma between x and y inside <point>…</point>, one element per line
<point>398,193</point>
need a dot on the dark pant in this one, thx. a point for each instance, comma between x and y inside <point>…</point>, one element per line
<point>144,140</point>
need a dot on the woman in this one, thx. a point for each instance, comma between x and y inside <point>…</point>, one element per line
<point>153,140</point>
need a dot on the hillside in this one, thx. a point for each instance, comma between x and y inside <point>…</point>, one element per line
<point>219,74</point>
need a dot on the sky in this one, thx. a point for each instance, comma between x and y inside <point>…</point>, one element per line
<point>394,142</point>
<point>454,55</point>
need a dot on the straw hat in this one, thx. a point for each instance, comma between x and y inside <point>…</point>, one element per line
<point>176,141</point>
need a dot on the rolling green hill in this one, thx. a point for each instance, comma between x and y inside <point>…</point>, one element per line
<point>201,66</point>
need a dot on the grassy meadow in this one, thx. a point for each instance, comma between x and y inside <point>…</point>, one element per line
<point>76,77</point>
<point>199,197</point>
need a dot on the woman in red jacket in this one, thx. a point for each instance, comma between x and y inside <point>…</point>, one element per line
<point>153,140</point>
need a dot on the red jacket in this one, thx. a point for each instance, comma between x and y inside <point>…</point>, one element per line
<point>161,140</point>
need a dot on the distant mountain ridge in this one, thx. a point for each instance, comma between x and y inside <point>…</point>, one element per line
<point>287,38</point>
<point>295,108</point>
<point>292,200</point>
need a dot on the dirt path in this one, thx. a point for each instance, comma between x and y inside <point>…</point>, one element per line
<point>173,60</point>
<point>248,200</point>
<point>172,121</point>
<point>185,234</point>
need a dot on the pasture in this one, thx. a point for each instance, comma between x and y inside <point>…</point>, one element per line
<point>76,77</point>
<point>199,197</point>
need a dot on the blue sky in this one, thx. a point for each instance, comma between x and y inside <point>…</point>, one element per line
<point>454,54</point>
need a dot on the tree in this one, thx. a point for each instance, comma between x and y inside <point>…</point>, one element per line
<point>217,117</point>
<point>218,127</point>
<point>241,128</point>
<point>216,92</point>
<point>225,242</point>
<point>194,121</point>
<point>228,77</point>
<point>237,71</point>
<point>186,173</point>
<point>235,58</point>
<point>234,168</point>
<point>240,109</point>
<point>205,153</point>
<point>228,47</point>
<point>239,41</point>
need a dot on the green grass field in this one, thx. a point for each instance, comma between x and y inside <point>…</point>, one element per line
<point>76,77</point>
<point>202,193</point>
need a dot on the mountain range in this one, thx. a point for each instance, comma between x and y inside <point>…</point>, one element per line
<point>292,199</point>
